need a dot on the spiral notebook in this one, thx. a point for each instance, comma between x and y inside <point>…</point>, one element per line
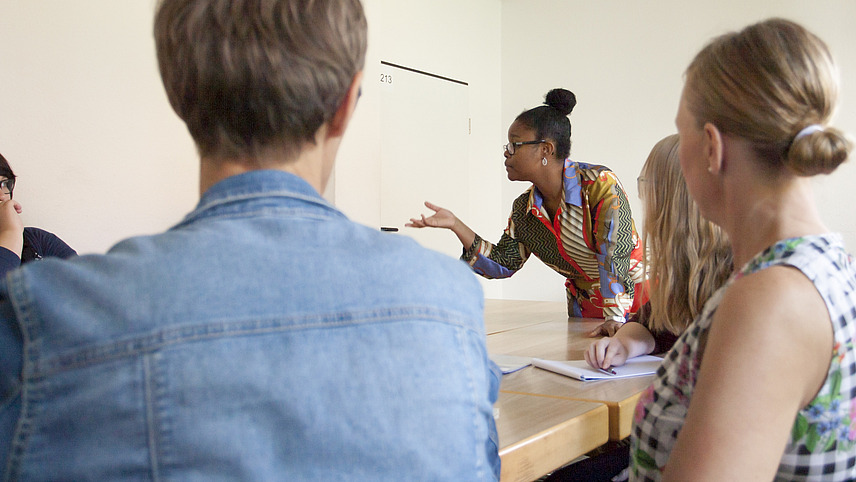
<point>579,369</point>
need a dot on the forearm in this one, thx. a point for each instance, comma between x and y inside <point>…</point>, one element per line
<point>13,240</point>
<point>617,301</point>
<point>465,235</point>
<point>615,245</point>
<point>614,259</point>
<point>494,261</point>
<point>637,340</point>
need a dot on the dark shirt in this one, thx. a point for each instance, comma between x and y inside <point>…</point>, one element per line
<point>38,244</point>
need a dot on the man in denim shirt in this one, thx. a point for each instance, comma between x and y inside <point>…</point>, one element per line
<point>266,336</point>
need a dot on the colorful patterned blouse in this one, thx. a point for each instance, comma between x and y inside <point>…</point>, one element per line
<point>590,240</point>
<point>823,438</point>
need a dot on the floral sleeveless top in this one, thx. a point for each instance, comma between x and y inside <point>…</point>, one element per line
<point>822,444</point>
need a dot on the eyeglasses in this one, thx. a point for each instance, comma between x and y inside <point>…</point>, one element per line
<point>512,146</point>
<point>7,186</point>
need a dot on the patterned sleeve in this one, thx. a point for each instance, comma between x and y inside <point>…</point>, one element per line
<point>499,260</point>
<point>615,240</point>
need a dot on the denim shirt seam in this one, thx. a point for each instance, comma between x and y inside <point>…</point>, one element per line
<point>260,193</point>
<point>30,382</point>
<point>208,330</point>
<point>210,209</point>
<point>152,416</point>
<point>267,210</point>
<point>471,381</point>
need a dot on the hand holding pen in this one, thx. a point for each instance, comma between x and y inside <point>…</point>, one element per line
<point>605,353</point>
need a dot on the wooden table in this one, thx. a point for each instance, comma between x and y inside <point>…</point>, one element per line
<point>619,396</point>
<point>504,315</point>
<point>540,434</point>
<point>542,329</point>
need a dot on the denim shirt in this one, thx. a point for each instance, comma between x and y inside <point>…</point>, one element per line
<point>265,337</point>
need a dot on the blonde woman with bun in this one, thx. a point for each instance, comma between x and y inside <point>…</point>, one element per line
<point>762,385</point>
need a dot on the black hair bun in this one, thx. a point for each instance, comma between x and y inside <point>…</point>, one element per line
<point>562,100</point>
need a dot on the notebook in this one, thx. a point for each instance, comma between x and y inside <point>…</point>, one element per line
<point>579,369</point>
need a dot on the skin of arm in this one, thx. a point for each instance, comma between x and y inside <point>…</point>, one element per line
<point>506,256</point>
<point>766,356</point>
<point>631,340</point>
<point>11,227</point>
<point>607,328</point>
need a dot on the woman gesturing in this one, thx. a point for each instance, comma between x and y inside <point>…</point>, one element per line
<point>575,217</point>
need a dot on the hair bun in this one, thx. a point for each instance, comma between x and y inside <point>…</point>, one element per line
<point>819,151</point>
<point>562,100</point>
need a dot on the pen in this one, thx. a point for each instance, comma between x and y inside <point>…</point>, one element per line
<point>608,371</point>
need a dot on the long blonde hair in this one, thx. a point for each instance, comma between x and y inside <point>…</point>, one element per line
<point>688,257</point>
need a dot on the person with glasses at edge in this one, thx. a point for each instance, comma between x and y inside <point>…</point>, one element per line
<point>19,245</point>
<point>575,217</point>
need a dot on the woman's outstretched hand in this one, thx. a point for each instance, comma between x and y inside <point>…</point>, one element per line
<point>442,218</point>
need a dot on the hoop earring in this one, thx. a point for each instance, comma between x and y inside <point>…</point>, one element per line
<point>543,161</point>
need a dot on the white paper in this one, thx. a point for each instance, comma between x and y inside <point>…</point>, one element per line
<point>579,369</point>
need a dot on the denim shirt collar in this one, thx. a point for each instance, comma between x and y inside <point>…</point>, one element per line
<point>255,185</point>
<point>571,183</point>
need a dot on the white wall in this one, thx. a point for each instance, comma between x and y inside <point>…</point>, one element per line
<point>625,61</point>
<point>100,155</point>
<point>452,38</point>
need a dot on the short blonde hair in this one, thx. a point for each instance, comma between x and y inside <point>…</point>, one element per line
<point>688,256</point>
<point>765,84</point>
<point>252,76</point>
